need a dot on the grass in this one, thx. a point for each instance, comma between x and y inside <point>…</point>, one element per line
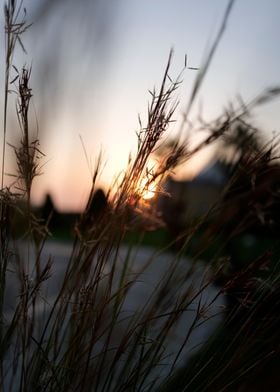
<point>81,335</point>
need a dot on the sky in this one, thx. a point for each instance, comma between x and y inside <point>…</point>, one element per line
<point>93,63</point>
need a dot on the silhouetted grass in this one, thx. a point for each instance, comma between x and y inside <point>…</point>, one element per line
<point>82,335</point>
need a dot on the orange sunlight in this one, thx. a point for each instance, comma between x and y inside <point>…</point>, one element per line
<point>147,188</point>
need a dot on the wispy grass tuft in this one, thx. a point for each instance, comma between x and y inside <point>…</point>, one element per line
<point>82,333</point>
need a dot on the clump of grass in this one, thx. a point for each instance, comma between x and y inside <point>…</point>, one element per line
<point>83,337</point>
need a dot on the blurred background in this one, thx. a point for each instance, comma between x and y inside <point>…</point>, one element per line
<point>93,62</point>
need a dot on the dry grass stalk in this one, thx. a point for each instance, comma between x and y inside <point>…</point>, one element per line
<point>85,339</point>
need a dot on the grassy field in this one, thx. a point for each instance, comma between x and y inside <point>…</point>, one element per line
<point>72,341</point>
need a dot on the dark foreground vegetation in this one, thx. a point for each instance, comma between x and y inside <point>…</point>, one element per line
<point>80,336</point>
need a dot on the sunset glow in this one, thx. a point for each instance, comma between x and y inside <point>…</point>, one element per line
<point>148,190</point>
<point>125,62</point>
<point>148,186</point>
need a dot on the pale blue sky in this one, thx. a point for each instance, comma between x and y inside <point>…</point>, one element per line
<point>96,61</point>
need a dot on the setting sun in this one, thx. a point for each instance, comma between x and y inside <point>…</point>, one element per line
<point>148,190</point>
<point>148,186</point>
